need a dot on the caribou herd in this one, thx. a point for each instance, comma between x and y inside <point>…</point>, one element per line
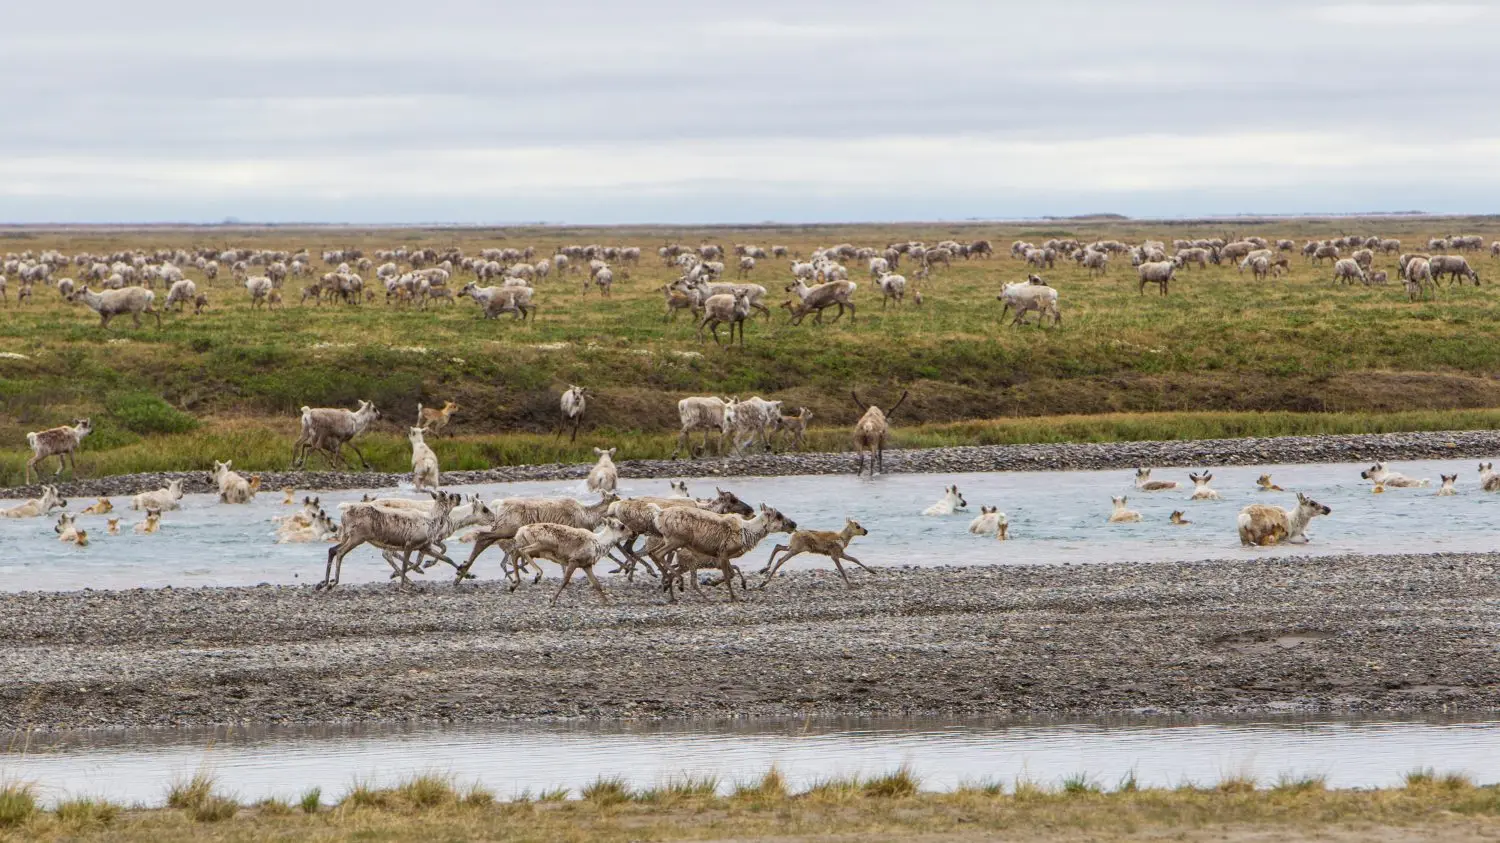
<point>497,280</point>
<point>508,280</point>
<point>669,538</point>
<point>679,534</point>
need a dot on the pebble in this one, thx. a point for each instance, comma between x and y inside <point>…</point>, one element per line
<point>1467,444</point>
<point>1256,635</point>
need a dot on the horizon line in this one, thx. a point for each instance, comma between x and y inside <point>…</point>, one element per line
<point>1102,217</point>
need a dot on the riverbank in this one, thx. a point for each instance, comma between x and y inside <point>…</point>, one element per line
<point>1450,444</point>
<point>885,807</point>
<point>1329,634</point>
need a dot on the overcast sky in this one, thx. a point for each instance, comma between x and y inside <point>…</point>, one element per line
<point>660,111</point>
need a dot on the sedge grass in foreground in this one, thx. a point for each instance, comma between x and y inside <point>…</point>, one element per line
<point>265,445</point>
<point>888,806</point>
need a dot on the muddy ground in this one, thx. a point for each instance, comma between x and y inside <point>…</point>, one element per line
<point>1392,633</point>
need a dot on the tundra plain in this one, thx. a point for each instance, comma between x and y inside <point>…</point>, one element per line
<point>1222,355</point>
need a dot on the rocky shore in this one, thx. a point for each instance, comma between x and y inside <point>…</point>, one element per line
<point>1350,633</point>
<point>1465,444</point>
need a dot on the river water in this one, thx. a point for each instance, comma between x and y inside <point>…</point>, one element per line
<point>1055,517</point>
<point>137,767</point>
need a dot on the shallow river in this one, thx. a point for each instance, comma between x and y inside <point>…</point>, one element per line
<point>1056,517</point>
<point>138,767</point>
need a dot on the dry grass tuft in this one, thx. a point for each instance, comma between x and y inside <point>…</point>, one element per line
<point>1456,781</point>
<point>84,813</point>
<point>1240,783</point>
<point>1431,806</point>
<point>835,789</point>
<point>196,798</point>
<point>896,784</point>
<point>987,788</point>
<point>1027,788</point>
<point>1420,777</point>
<point>694,787</point>
<point>213,809</point>
<point>606,790</point>
<point>426,791</point>
<point>1302,784</point>
<point>273,807</point>
<point>17,804</point>
<point>1079,784</point>
<point>186,793</point>
<point>477,797</point>
<point>362,795</point>
<point>771,786</point>
<point>681,788</point>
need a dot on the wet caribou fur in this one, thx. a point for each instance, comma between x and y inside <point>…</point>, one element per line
<point>393,531</point>
<point>1262,525</point>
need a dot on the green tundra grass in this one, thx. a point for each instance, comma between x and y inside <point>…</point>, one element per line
<point>1221,355</point>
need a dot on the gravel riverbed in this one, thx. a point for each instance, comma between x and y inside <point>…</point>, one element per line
<point>1456,444</point>
<point>1361,633</point>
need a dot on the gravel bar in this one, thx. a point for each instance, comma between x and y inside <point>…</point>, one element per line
<point>1456,444</point>
<point>1262,635</point>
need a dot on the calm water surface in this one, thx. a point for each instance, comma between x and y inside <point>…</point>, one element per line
<point>137,767</point>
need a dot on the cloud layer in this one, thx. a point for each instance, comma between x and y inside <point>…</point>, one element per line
<point>692,112</point>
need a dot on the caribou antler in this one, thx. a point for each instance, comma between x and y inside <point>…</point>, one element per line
<point>892,411</point>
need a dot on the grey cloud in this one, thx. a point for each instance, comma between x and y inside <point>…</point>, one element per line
<point>129,84</point>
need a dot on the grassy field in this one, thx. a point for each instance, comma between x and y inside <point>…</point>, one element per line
<point>887,807</point>
<point>1221,355</point>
